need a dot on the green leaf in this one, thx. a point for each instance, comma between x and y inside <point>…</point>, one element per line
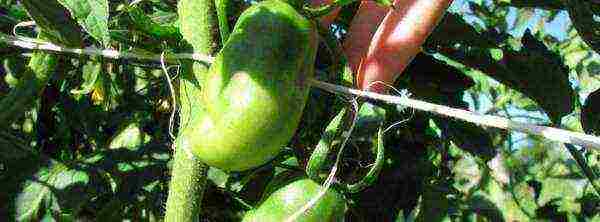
<point>54,188</point>
<point>54,22</point>
<point>436,81</point>
<point>453,29</point>
<point>584,15</point>
<point>481,205</point>
<point>506,202</point>
<point>385,3</point>
<point>534,71</point>
<point>90,73</point>
<point>92,15</point>
<point>546,4</point>
<point>145,23</point>
<point>467,174</point>
<point>565,190</point>
<point>539,74</point>
<point>434,205</point>
<point>130,137</point>
<point>469,137</point>
<point>590,118</point>
<point>218,177</point>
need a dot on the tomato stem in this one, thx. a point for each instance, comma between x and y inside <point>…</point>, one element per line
<point>188,176</point>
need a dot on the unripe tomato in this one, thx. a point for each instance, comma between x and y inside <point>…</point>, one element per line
<point>255,91</point>
<point>292,196</point>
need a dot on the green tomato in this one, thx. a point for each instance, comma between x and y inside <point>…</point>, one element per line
<point>292,196</point>
<point>255,91</point>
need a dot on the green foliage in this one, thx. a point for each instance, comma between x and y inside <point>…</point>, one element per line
<point>85,137</point>
<point>40,69</point>
<point>55,23</point>
<point>582,14</point>
<point>92,16</point>
<point>146,24</point>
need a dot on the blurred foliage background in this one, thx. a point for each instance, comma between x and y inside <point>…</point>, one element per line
<point>96,143</point>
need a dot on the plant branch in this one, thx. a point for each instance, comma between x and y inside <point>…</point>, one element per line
<point>554,134</point>
<point>35,44</point>
<point>585,168</point>
<point>551,133</point>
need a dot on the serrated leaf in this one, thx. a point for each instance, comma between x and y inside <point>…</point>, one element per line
<point>584,15</point>
<point>534,71</point>
<point>484,207</point>
<point>92,15</point>
<point>384,3</point>
<point>467,174</point>
<point>503,201</point>
<point>12,147</point>
<point>50,188</point>
<point>590,113</point>
<point>541,75</point>
<point>435,80</point>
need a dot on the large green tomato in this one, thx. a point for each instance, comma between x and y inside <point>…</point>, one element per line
<point>291,197</point>
<point>256,89</point>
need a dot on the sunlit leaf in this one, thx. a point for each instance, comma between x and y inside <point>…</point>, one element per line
<point>90,73</point>
<point>92,15</point>
<point>51,188</point>
<point>130,137</point>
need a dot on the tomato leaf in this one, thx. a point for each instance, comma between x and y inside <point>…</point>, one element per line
<point>386,3</point>
<point>92,15</point>
<point>453,29</point>
<point>54,21</point>
<point>539,74</point>
<point>469,137</point>
<point>436,81</point>
<point>546,4</point>
<point>584,15</point>
<point>90,73</point>
<point>590,120</point>
<point>145,23</point>
<point>129,137</point>
<point>534,71</point>
<point>51,188</point>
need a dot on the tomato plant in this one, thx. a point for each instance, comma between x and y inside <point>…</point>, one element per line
<point>220,110</point>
